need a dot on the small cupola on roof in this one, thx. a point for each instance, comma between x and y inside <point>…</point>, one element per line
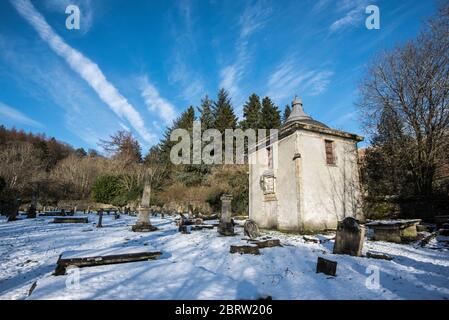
<point>298,115</point>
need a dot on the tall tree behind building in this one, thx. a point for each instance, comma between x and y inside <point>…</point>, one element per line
<point>411,83</point>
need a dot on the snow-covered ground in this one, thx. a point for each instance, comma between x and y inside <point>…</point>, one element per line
<point>199,265</point>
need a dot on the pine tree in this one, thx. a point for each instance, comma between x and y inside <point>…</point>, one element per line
<point>184,121</point>
<point>271,117</point>
<point>287,112</point>
<point>252,113</point>
<point>223,112</point>
<point>206,115</point>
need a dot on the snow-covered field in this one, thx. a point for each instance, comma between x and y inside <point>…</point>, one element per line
<point>199,266</point>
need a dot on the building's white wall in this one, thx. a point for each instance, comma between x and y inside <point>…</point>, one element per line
<point>331,192</point>
<point>287,193</point>
<point>326,193</point>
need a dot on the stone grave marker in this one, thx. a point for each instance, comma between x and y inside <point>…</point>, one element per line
<point>251,229</point>
<point>350,237</point>
<point>226,227</point>
<point>326,266</point>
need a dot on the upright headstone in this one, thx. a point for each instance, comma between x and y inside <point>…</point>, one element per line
<point>31,213</point>
<point>226,227</point>
<point>251,229</point>
<point>350,237</point>
<point>100,218</point>
<point>143,223</point>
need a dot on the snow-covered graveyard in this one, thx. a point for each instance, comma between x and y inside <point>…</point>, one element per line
<point>199,265</point>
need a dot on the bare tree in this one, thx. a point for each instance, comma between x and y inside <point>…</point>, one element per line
<point>411,85</point>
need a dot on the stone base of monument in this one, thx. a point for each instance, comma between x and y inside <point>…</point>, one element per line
<point>226,229</point>
<point>244,249</point>
<point>326,266</point>
<point>143,227</point>
<point>71,220</point>
<point>90,258</point>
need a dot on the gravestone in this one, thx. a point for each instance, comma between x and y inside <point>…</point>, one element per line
<point>350,237</point>
<point>326,266</point>
<point>100,219</point>
<point>226,227</point>
<point>143,223</point>
<point>251,229</point>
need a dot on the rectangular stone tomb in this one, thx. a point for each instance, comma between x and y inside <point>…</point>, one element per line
<point>90,258</point>
<point>397,231</point>
<point>326,266</point>
<point>71,220</point>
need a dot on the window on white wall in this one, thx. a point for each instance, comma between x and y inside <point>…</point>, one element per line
<point>330,152</point>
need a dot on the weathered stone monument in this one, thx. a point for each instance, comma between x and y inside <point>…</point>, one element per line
<point>305,179</point>
<point>251,229</point>
<point>31,213</point>
<point>143,223</point>
<point>350,237</point>
<point>226,227</point>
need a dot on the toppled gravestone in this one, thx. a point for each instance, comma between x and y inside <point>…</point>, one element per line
<point>350,237</point>
<point>251,229</point>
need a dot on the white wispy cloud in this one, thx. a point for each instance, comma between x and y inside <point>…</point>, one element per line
<point>354,12</point>
<point>190,81</point>
<point>289,78</point>
<point>17,116</point>
<point>155,102</point>
<point>88,70</point>
<point>253,18</point>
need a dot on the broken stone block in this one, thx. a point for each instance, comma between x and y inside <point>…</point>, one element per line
<point>310,239</point>
<point>378,255</point>
<point>244,249</point>
<point>349,238</point>
<point>326,266</point>
<point>267,243</point>
<point>251,229</point>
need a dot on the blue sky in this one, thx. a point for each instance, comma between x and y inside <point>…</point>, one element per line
<point>137,64</point>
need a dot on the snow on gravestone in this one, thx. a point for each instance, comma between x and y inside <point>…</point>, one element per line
<point>349,238</point>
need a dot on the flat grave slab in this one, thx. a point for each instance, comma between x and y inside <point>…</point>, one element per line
<point>71,220</point>
<point>397,231</point>
<point>90,258</point>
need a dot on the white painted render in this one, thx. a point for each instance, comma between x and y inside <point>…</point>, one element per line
<point>309,195</point>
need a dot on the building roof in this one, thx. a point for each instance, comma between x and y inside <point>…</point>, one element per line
<point>299,120</point>
<point>298,115</point>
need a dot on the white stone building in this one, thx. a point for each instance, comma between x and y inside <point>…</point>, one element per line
<point>307,180</point>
